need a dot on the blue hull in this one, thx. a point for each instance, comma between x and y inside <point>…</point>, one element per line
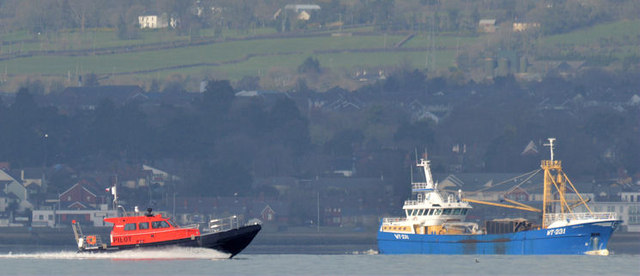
<point>574,239</point>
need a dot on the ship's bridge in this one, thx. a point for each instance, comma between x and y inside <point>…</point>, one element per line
<point>421,187</point>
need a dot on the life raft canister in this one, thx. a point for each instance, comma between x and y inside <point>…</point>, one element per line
<point>91,240</point>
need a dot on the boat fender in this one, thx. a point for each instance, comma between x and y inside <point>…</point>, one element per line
<point>91,240</point>
<point>193,237</point>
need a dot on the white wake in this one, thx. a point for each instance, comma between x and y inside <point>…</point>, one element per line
<point>134,254</point>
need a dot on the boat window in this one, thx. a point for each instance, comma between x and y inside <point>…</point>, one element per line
<point>413,212</point>
<point>422,212</point>
<point>446,211</point>
<point>160,224</point>
<point>406,212</point>
<point>464,211</point>
<point>130,226</point>
<point>438,212</point>
<point>429,212</point>
<point>143,225</point>
<point>456,211</point>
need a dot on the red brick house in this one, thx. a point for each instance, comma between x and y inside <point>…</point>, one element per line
<point>79,197</point>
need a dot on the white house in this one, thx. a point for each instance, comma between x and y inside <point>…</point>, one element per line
<point>524,26</point>
<point>159,176</point>
<point>154,21</point>
<point>52,218</point>
<point>4,202</point>
<point>629,196</point>
<point>11,186</point>
<point>487,25</point>
<point>303,11</point>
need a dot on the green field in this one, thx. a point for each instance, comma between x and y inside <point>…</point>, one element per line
<point>266,53</point>
<point>622,32</point>
<point>235,59</point>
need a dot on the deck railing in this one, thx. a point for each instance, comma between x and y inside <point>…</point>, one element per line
<point>393,220</point>
<point>414,202</point>
<point>224,224</point>
<point>550,218</point>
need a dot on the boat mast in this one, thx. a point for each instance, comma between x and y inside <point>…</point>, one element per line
<point>427,172</point>
<point>553,178</point>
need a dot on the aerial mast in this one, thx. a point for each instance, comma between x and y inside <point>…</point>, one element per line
<point>553,178</point>
<point>551,140</point>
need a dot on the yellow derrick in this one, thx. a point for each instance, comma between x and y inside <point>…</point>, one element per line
<point>533,209</point>
<point>554,177</point>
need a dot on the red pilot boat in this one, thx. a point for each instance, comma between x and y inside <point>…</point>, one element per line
<point>149,230</point>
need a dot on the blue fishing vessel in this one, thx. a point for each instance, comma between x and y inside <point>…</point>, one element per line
<point>434,222</point>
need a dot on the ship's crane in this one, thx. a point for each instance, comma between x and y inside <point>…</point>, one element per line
<point>554,179</point>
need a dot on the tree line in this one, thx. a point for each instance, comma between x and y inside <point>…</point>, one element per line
<point>221,142</point>
<point>47,17</point>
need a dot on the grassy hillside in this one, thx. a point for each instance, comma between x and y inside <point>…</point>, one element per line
<point>619,32</point>
<point>235,58</point>
<point>617,40</point>
<point>253,53</point>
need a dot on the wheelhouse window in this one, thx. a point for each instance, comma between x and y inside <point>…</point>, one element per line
<point>446,211</point>
<point>464,211</point>
<point>429,212</point>
<point>456,211</point>
<point>143,225</point>
<point>160,224</point>
<point>130,226</point>
<point>437,212</point>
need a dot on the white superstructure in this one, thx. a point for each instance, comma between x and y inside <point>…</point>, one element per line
<point>430,207</point>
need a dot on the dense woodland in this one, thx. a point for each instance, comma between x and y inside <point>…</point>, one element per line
<point>223,142</point>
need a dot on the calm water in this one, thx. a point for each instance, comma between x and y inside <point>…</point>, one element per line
<point>208,262</point>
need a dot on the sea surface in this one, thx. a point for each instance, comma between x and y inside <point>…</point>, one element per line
<point>199,261</point>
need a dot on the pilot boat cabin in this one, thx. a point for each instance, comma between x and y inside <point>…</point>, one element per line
<point>148,229</point>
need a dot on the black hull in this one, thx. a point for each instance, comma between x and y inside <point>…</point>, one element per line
<point>231,241</point>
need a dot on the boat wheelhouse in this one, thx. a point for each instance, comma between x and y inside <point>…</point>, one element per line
<point>431,211</point>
